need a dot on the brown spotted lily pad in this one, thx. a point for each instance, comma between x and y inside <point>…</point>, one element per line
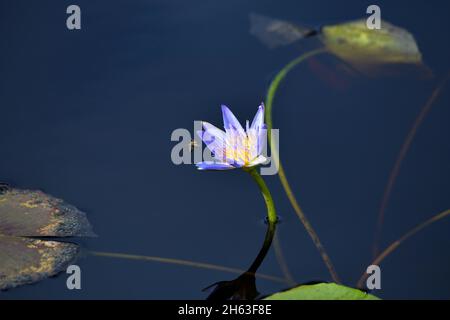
<point>30,224</point>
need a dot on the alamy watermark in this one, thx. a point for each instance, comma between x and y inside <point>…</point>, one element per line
<point>73,21</point>
<point>374,279</point>
<point>374,20</point>
<point>74,280</point>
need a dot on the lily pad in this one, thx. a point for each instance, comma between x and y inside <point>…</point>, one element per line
<point>350,41</point>
<point>27,215</point>
<point>274,33</point>
<point>355,43</point>
<point>34,214</point>
<point>24,260</point>
<point>322,291</point>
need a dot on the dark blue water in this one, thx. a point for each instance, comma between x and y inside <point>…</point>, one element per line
<point>87,116</point>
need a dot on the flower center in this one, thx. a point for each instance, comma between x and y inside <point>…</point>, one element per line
<point>238,149</point>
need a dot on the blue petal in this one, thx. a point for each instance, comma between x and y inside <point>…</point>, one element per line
<point>214,130</point>
<point>259,160</point>
<point>262,138</point>
<point>236,163</point>
<point>208,165</point>
<point>215,145</point>
<point>230,122</point>
<point>258,120</point>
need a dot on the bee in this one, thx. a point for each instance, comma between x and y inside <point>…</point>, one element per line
<point>193,144</point>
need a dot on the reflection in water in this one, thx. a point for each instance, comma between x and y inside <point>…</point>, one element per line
<point>244,286</point>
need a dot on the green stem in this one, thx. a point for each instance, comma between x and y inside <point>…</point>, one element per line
<point>271,212</point>
<point>281,174</point>
<point>272,220</point>
<point>277,80</point>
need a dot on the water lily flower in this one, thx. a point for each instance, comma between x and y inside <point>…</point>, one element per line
<point>234,147</point>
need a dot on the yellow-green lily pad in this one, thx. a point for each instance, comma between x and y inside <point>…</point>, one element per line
<point>351,41</point>
<point>355,43</point>
<point>322,291</point>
